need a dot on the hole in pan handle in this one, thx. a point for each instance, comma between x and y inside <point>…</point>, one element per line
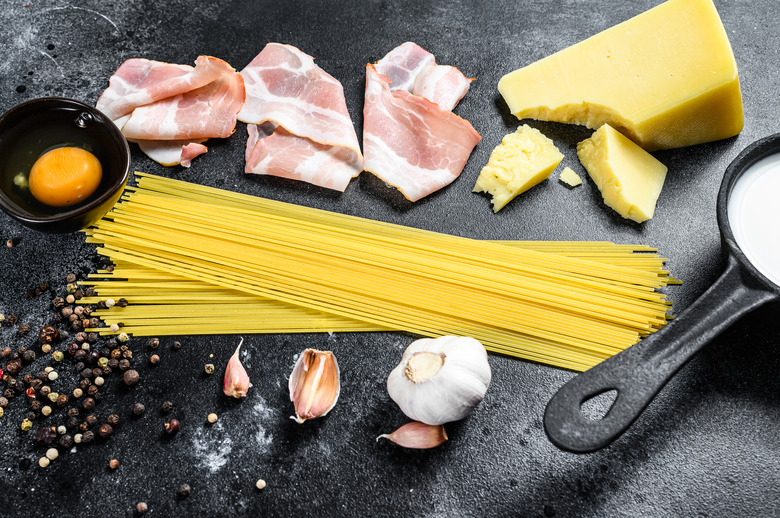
<point>640,372</point>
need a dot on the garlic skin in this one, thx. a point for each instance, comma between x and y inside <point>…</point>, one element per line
<point>416,435</point>
<point>315,384</point>
<point>440,380</point>
<point>236,383</point>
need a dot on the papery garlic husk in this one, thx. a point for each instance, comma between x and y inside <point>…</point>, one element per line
<point>314,384</point>
<point>440,380</point>
<point>417,435</point>
<point>236,383</point>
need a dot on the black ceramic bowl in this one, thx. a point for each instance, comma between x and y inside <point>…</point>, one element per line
<point>30,129</point>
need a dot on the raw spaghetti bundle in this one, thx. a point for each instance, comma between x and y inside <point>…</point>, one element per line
<point>184,251</point>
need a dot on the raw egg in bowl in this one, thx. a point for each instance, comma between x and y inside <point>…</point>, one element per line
<point>63,164</point>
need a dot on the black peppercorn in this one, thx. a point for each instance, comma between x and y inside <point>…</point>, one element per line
<point>11,320</point>
<point>92,337</point>
<point>124,365</point>
<point>78,294</point>
<point>97,372</point>
<point>92,390</point>
<point>85,384</point>
<point>113,363</point>
<point>87,436</point>
<point>80,355</point>
<point>172,426</point>
<point>88,403</point>
<point>91,420</point>
<point>154,343</point>
<point>106,370</point>
<point>184,490</point>
<point>105,430</point>
<point>28,356</point>
<point>122,302</point>
<point>73,412</point>
<point>36,384</point>
<point>76,325</point>
<point>130,377</point>
<point>66,441</point>
<point>43,376</point>
<point>94,322</point>
<point>89,292</point>
<point>116,353</point>
<point>81,337</point>
<point>30,415</point>
<point>35,405</point>
<point>80,366</point>
<point>83,426</point>
<point>92,357</point>
<point>23,329</point>
<point>62,400</point>
<point>5,352</point>
<point>44,391</point>
<point>154,359</point>
<point>138,409</point>
<point>72,422</point>
<point>46,435</point>
<point>176,345</point>
<point>70,278</point>
<point>9,393</point>
<point>3,402</point>
<point>166,407</point>
<point>73,348</point>
<point>13,367</point>
<point>98,396</point>
<point>112,419</point>
<point>128,354</point>
<point>48,334</point>
<point>28,378</point>
<point>86,373</point>
<point>58,302</point>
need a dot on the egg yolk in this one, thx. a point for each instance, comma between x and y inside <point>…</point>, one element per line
<point>64,176</point>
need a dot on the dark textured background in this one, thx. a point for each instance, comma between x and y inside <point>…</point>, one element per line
<point>707,446</point>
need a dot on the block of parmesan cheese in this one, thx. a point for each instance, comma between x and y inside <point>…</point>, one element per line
<point>629,178</point>
<point>666,78</point>
<point>523,159</point>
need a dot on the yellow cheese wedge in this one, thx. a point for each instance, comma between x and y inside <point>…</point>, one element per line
<point>666,78</point>
<point>629,178</point>
<point>523,159</point>
<point>569,177</point>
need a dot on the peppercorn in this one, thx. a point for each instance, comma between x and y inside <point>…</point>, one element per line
<point>92,390</point>
<point>113,363</point>
<point>138,409</point>
<point>141,508</point>
<point>28,356</point>
<point>154,343</point>
<point>56,318</point>
<point>9,393</point>
<point>46,348</point>
<point>86,373</point>
<point>185,490</point>
<point>94,322</point>
<point>78,294</point>
<point>116,353</point>
<point>105,430</point>
<point>58,302</point>
<point>73,412</point>
<point>13,367</point>
<point>113,464</point>
<point>72,422</point>
<point>88,404</point>
<point>28,378</point>
<point>30,415</point>
<point>62,400</point>
<point>166,407</point>
<point>87,436</point>
<point>23,329</point>
<point>70,278</point>
<point>57,356</point>
<point>45,390</point>
<point>76,325</point>
<point>48,334</point>
<point>172,426</point>
<point>112,419</point>
<point>46,435</point>
<point>130,377</point>
<point>124,364</point>
<point>43,375</point>
<point>84,384</point>
<point>154,359</point>
<point>35,405</point>
<point>123,337</point>
<point>209,368</point>
<point>53,396</point>
<point>97,372</point>
<point>102,362</point>
<point>85,347</point>
<point>90,291</point>
<point>91,420</point>
<point>36,384</point>
<point>11,320</point>
<point>5,352</point>
<point>91,337</point>
<point>3,402</point>
<point>212,418</point>
<point>83,426</point>
<point>73,348</point>
<point>99,381</point>
<point>53,375</point>
<point>128,354</point>
<point>81,336</point>
<point>66,441</point>
<point>176,345</point>
<point>61,429</point>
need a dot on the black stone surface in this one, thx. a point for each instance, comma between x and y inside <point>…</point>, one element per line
<point>707,446</point>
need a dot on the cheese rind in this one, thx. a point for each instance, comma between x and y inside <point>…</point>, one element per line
<point>523,159</point>
<point>629,178</point>
<point>666,78</point>
<point>569,177</point>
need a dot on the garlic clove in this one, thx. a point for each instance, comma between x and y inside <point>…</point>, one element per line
<point>236,383</point>
<point>314,384</point>
<point>417,435</point>
<point>440,380</point>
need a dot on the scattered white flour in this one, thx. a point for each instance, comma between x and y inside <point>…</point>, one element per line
<point>262,413</point>
<point>212,446</point>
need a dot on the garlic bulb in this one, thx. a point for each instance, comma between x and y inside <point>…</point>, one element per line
<point>314,384</point>
<point>440,380</point>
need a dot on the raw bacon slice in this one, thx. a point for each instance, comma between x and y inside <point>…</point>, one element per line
<point>289,156</point>
<point>410,142</point>
<point>285,87</point>
<point>411,68</point>
<point>172,152</point>
<point>206,112</point>
<point>142,81</point>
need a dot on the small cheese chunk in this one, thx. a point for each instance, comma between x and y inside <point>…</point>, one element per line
<point>523,159</point>
<point>629,178</point>
<point>570,178</point>
<point>666,78</point>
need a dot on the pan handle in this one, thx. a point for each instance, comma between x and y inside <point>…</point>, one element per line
<point>640,372</point>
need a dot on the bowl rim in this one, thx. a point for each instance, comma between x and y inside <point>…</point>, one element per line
<point>22,216</point>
